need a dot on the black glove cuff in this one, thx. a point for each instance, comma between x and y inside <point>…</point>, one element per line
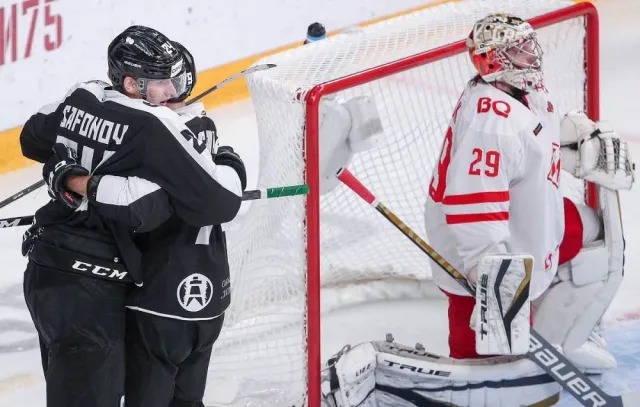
<point>92,187</point>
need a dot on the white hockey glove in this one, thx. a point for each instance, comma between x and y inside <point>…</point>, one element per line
<point>501,317</point>
<point>594,152</point>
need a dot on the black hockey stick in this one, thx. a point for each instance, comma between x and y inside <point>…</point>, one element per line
<point>230,79</point>
<point>17,221</point>
<point>541,352</point>
<point>22,193</point>
<point>251,195</point>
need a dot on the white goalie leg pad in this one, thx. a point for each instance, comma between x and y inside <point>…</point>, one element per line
<point>387,374</point>
<point>502,315</point>
<point>352,379</point>
<point>570,310</point>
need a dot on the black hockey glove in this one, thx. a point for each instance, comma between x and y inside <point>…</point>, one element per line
<point>63,163</point>
<point>226,156</point>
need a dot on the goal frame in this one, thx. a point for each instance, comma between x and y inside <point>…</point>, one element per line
<point>311,151</point>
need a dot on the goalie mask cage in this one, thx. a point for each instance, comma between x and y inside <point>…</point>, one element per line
<point>293,259</point>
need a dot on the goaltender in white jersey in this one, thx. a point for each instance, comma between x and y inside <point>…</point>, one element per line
<point>496,213</point>
<point>496,188</point>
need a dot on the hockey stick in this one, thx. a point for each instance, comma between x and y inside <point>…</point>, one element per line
<point>278,192</point>
<point>22,193</point>
<point>541,352</point>
<point>230,79</point>
<point>17,221</point>
<point>251,195</point>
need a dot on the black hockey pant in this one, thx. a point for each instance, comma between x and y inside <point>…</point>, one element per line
<point>167,360</point>
<point>81,324</point>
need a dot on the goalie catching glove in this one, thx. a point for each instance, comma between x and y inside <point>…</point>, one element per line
<point>594,152</point>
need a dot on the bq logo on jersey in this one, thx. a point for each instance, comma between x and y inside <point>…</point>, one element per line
<point>195,292</point>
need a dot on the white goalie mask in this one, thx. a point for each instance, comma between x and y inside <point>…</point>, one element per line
<point>505,48</point>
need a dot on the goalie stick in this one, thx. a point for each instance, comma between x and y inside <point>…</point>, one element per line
<point>251,195</point>
<point>541,352</point>
<point>230,79</point>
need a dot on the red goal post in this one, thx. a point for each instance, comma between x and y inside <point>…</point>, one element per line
<point>315,96</point>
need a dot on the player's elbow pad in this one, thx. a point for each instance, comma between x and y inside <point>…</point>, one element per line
<point>229,198</point>
<point>30,146</point>
<point>217,206</point>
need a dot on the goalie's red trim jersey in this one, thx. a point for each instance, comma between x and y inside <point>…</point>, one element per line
<point>495,188</point>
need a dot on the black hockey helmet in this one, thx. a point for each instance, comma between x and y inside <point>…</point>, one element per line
<point>145,54</point>
<point>190,69</point>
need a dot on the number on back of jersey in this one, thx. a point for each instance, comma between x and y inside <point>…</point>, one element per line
<point>197,143</point>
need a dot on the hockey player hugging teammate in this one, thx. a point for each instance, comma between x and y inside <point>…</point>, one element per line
<point>496,213</point>
<point>108,193</point>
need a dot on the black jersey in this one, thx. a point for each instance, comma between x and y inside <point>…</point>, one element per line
<point>171,174</point>
<point>185,267</point>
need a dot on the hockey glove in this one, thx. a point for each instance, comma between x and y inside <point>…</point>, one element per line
<point>226,156</point>
<point>595,152</point>
<point>63,163</point>
<point>502,314</point>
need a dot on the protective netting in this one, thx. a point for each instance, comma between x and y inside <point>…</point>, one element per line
<point>260,358</point>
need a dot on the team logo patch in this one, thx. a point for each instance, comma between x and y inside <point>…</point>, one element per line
<point>556,165</point>
<point>195,292</point>
<point>538,129</point>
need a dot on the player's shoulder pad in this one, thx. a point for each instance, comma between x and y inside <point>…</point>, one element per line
<point>487,109</point>
<point>209,124</point>
<point>95,87</point>
<point>199,123</point>
<point>195,118</point>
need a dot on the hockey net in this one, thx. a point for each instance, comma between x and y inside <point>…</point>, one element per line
<point>295,259</point>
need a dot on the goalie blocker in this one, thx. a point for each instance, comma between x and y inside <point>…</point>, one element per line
<point>346,127</point>
<point>502,316</point>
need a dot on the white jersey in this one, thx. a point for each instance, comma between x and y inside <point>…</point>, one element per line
<point>496,186</point>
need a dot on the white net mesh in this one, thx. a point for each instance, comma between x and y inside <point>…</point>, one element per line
<point>260,358</point>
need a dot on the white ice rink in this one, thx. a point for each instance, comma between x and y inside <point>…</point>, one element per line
<point>21,381</point>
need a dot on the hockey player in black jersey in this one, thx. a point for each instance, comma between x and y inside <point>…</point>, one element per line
<point>175,318</point>
<point>81,262</point>
<point>177,315</point>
